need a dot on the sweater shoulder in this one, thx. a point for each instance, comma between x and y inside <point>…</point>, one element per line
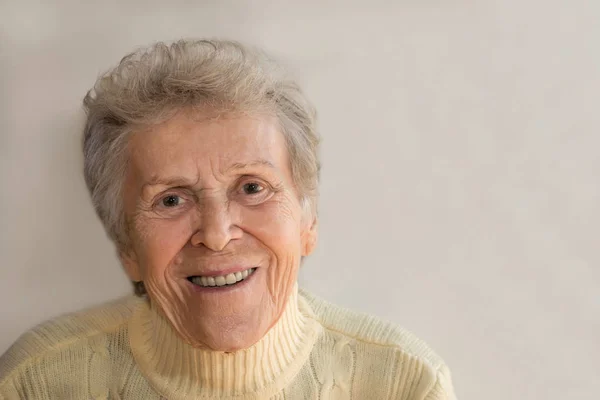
<point>64,332</point>
<point>370,329</point>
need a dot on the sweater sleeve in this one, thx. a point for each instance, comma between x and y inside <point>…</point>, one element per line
<point>443,388</point>
<point>8,391</point>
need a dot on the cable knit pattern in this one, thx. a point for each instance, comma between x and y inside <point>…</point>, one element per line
<point>334,369</point>
<point>125,350</point>
<point>98,382</point>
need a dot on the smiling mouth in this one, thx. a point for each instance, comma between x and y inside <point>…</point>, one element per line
<point>221,280</point>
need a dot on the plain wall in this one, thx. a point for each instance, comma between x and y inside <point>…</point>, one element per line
<point>460,193</point>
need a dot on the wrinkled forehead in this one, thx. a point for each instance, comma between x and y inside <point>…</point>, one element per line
<point>189,143</point>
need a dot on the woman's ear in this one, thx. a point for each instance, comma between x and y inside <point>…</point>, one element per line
<point>309,238</point>
<point>130,264</point>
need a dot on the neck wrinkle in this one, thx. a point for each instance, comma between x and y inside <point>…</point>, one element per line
<point>178,371</point>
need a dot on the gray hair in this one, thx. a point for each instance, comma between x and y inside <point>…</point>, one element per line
<point>151,84</point>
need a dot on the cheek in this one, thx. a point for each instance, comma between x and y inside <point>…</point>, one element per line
<point>161,243</point>
<point>277,226</point>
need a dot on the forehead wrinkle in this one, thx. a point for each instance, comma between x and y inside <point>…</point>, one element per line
<point>173,180</point>
<point>249,151</point>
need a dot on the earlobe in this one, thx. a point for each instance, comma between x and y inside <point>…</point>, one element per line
<point>131,266</point>
<point>310,239</point>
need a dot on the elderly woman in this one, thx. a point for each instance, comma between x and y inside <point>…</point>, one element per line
<point>201,161</point>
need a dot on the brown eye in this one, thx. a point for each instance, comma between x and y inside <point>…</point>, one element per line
<point>171,201</point>
<point>252,188</point>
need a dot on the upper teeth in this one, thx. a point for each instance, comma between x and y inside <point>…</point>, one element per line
<point>222,280</point>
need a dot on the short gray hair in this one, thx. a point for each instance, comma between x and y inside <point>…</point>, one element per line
<point>151,84</point>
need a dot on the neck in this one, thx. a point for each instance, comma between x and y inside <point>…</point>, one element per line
<point>178,370</point>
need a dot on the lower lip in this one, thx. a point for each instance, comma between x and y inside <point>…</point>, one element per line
<point>223,289</point>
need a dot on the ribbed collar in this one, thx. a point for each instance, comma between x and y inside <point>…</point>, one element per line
<point>178,371</point>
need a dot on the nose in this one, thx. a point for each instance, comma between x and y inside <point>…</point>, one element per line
<point>216,228</point>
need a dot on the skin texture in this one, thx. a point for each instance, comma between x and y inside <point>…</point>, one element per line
<point>206,195</point>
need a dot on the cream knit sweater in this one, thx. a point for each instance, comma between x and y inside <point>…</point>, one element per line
<point>126,350</point>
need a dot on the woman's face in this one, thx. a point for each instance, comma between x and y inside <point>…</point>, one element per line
<point>216,226</point>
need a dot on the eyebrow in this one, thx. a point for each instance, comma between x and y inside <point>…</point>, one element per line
<point>168,181</point>
<point>181,181</point>
<point>256,163</point>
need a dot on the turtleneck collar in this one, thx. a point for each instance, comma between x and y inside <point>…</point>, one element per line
<point>179,371</point>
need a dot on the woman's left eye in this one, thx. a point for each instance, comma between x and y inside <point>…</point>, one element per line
<point>253,188</point>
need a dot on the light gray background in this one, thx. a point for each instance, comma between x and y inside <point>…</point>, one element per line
<point>460,193</point>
